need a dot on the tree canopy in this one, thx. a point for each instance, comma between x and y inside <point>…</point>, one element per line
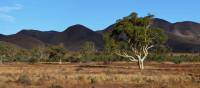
<point>140,36</point>
<point>139,31</point>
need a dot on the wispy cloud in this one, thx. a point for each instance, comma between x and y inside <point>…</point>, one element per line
<point>7,18</point>
<point>6,10</point>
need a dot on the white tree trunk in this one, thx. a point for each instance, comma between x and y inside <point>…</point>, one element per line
<point>142,65</point>
<point>138,56</point>
<point>1,61</point>
<point>60,62</point>
<point>139,64</point>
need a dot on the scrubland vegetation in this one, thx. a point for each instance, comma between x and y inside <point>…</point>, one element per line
<point>142,41</point>
<point>54,66</point>
<point>98,75</point>
<point>39,68</point>
<point>58,53</point>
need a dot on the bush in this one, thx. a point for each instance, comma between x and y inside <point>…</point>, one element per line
<point>24,79</point>
<point>174,59</point>
<point>73,59</point>
<point>93,80</point>
<point>177,60</point>
<point>86,58</point>
<point>157,58</point>
<point>102,58</point>
<point>33,60</point>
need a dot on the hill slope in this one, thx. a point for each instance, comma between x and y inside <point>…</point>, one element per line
<point>183,36</point>
<point>73,38</point>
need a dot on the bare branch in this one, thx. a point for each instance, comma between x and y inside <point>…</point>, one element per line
<point>150,47</point>
<point>145,50</point>
<point>124,54</point>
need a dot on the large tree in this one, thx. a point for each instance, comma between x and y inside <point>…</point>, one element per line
<point>141,37</point>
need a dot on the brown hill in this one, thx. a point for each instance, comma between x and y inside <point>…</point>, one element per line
<point>74,37</point>
<point>1,36</point>
<point>44,36</point>
<point>183,36</point>
<point>23,41</point>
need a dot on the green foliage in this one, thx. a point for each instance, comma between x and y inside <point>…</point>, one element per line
<point>177,60</point>
<point>157,57</point>
<point>139,32</point>
<point>39,54</point>
<point>106,58</point>
<point>109,44</point>
<point>88,48</point>
<point>33,60</point>
<point>11,53</point>
<point>22,55</point>
<point>57,52</point>
<point>24,79</point>
<point>6,51</point>
<point>93,80</point>
<point>35,56</point>
<point>73,59</point>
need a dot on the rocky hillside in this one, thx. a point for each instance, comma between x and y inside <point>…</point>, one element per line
<point>183,36</point>
<point>73,38</point>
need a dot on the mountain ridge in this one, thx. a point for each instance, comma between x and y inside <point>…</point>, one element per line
<point>183,36</point>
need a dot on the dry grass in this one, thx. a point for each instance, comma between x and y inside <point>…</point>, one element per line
<point>116,75</point>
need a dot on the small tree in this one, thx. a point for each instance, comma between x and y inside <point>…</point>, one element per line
<point>7,52</point>
<point>2,53</point>
<point>140,37</point>
<point>109,44</point>
<point>88,49</point>
<point>37,55</point>
<point>57,52</point>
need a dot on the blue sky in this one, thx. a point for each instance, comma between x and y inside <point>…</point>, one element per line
<point>46,15</point>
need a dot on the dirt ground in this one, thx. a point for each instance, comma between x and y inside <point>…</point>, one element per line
<point>99,75</point>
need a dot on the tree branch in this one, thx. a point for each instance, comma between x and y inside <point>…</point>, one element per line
<point>145,50</point>
<point>124,54</point>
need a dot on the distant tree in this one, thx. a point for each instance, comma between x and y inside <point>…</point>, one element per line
<point>109,44</point>
<point>2,53</point>
<point>57,52</point>
<point>7,52</point>
<point>140,37</point>
<point>38,54</point>
<point>34,56</point>
<point>23,55</point>
<point>88,48</point>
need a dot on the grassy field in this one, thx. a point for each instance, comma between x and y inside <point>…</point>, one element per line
<point>98,75</point>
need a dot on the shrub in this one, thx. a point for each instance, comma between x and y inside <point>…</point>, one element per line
<point>73,59</point>
<point>177,60</point>
<point>93,80</point>
<point>56,53</point>
<point>24,79</point>
<point>157,58</point>
<point>32,60</point>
